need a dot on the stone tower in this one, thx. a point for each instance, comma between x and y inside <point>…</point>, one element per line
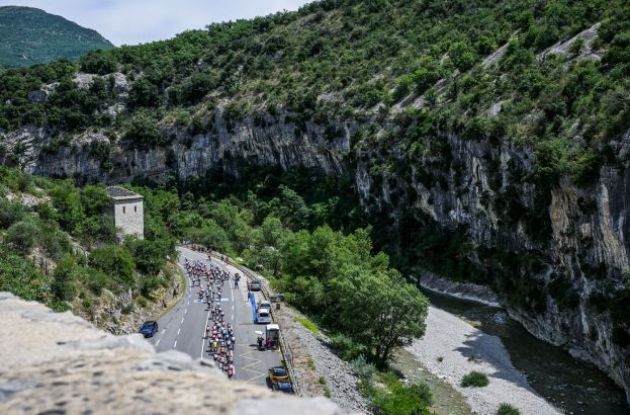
<point>127,211</point>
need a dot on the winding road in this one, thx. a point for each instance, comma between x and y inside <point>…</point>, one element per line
<point>183,327</point>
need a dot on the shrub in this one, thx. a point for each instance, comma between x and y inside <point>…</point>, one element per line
<point>116,262</point>
<point>96,280</point>
<point>10,213</point>
<point>346,348</point>
<point>150,283</point>
<point>144,93</point>
<point>142,302</point>
<point>65,276</point>
<point>462,55</point>
<point>20,277</point>
<point>399,399</point>
<point>55,243</point>
<point>507,409</point>
<point>22,236</point>
<point>362,369</point>
<point>143,131</point>
<point>475,379</point>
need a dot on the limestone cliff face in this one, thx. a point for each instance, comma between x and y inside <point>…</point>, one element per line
<point>566,248</point>
<point>59,363</point>
<point>228,145</point>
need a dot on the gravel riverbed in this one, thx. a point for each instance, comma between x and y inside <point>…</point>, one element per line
<point>452,348</point>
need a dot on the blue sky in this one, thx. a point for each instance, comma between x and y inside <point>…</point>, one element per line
<point>138,21</point>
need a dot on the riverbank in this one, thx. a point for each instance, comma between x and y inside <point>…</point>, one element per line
<point>462,290</point>
<point>452,348</point>
<point>446,400</point>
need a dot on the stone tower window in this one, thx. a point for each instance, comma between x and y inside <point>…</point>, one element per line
<point>135,208</point>
<point>124,210</point>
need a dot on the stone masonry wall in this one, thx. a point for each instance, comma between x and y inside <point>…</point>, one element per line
<point>59,363</point>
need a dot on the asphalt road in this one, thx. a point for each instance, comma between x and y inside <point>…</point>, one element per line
<point>183,328</point>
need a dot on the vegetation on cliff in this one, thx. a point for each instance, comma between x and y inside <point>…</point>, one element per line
<point>32,36</point>
<point>355,60</point>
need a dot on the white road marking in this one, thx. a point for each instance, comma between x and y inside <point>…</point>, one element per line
<point>157,342</point>
<point>175,345</point>
<point>182,321</point>
<point>204,333</point>
<point>163,331</point>
<point>178,330</point>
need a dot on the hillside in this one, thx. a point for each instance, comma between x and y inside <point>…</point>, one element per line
<point>59,248</point>
<point>485,141</point>
<point>30,36</point>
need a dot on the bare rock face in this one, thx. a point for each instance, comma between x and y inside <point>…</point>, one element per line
<point>59,363</point>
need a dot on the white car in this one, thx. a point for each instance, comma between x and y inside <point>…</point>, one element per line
<point>263,316</point>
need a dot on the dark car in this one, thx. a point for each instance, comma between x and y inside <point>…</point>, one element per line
<point>283,386</point>
<point>149,328</point>
<point>278,374</point>
<point>255,285</point>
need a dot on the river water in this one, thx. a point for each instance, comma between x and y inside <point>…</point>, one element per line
<point>573,386</point>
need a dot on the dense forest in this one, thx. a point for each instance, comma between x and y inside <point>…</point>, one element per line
<point>31,36</point>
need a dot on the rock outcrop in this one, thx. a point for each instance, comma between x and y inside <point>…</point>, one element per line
<point>228,145</point>
<point>59,363</point>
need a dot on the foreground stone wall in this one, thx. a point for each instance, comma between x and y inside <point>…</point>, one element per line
<point>59,363</point>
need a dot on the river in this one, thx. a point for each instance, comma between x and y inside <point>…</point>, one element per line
<point>573,386</point>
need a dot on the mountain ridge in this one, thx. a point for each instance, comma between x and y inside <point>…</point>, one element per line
<point>32,36</point>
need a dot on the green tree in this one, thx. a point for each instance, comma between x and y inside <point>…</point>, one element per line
<point>144,93</point>
<point>149,256</point>
<point>65,276</point>
<point>67,202</point>
<point>98,62</point>
<point>272,232</point>
<point>379,309</point>
<point>462,55</point>
<point>211,235</point>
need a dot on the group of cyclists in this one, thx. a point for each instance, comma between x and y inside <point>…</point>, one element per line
<point>220,335</point>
